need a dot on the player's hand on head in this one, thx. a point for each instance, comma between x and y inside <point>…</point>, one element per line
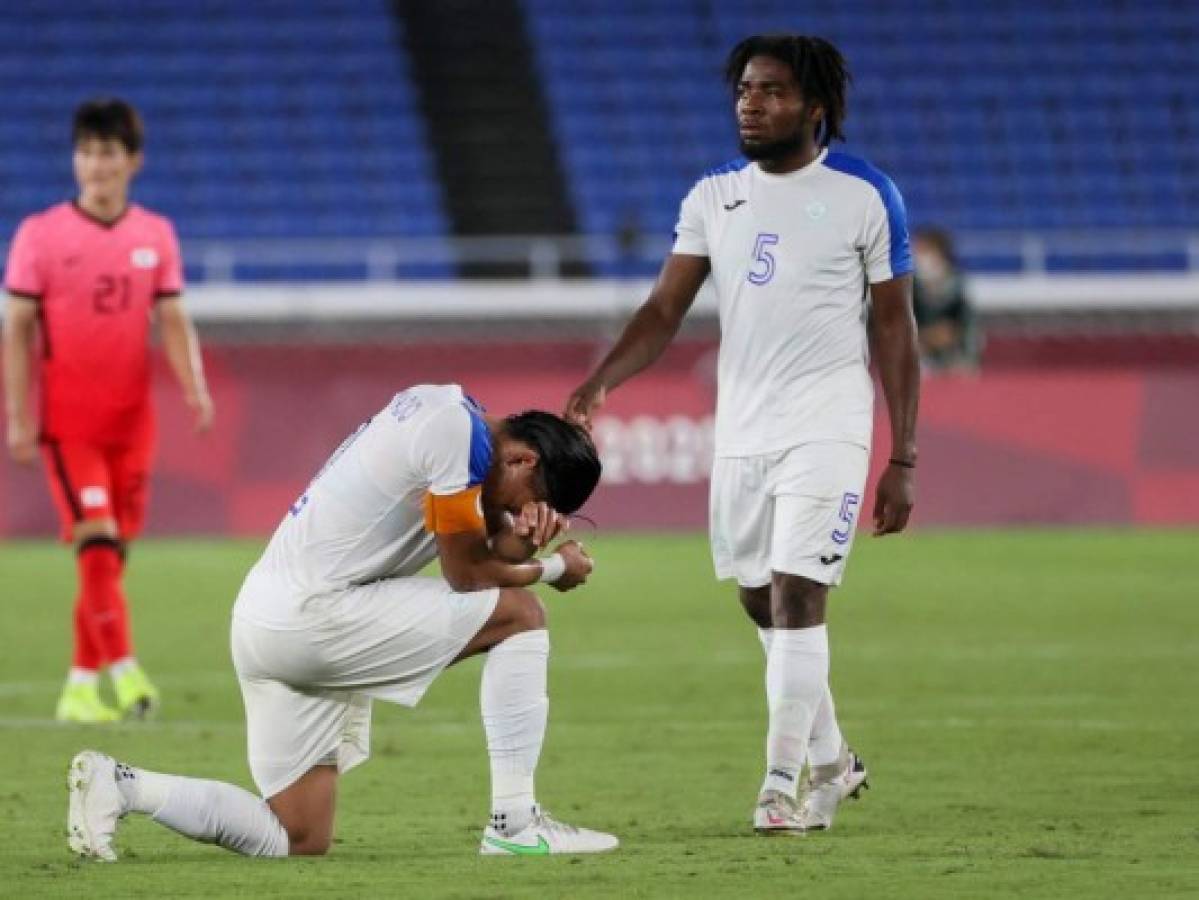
<point>539,523</point>
<point>893,501</point>
<point>578,565</point>
<point>22,441</point>
<point>508,544</point>
<point>583,403</point>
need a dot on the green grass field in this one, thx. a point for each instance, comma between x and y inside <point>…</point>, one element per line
<point>1028,703</point>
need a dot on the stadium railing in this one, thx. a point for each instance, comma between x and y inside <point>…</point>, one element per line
<point>1006,252</point>
<point>1138,272</point>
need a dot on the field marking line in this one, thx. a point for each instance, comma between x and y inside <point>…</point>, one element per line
<point>577,661</point>
<point>185,680</point>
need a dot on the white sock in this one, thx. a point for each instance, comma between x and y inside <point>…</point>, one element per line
<point>121,666</point>
<point>824,747</point>
<point>796,681</point>
<point>766,636</point>
<point>208,811</point>
<point>82,676</point>
<point>515,708</point>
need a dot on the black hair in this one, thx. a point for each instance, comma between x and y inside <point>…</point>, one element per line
<point>819,68</point>
<point>569,463</point>
<point>108,118</point>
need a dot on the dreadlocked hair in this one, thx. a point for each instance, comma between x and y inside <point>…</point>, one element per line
<point>819,68</point>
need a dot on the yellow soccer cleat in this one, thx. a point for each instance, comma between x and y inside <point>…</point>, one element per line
<point>81,704</point>
<point>137,698</point>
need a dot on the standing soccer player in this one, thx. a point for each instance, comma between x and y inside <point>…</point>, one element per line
<point>89,276</point>
<point>808,252</point>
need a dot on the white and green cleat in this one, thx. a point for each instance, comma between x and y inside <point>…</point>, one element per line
<point>80,704</point>
<point>544,836</point>
<point>94,805</point>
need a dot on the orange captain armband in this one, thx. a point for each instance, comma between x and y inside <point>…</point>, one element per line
<point>455,513</point>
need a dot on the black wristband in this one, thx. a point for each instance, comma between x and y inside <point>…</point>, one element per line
<point>902,463</point>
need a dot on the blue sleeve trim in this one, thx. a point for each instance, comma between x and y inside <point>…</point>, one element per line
<point>480,443</point>
<point>728,168</point>
<point>897,216</point>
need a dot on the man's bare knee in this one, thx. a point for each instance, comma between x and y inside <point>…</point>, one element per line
<point>90,529</point>
<point>305,810</point>
<point>797,602</point>
<point>757,605</point>
<point>517,611</point>
<point>307,844</point>
<point>528,612</point>
<point>307,839</point>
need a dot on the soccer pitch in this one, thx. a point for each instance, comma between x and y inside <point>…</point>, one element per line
<point>1027,702</point>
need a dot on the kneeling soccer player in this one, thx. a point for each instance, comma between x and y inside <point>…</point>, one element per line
<point>333,615</point>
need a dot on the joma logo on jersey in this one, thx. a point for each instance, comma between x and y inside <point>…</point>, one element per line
<point>816,210</point>
<point>144,258</point>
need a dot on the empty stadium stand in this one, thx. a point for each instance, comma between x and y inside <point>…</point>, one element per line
<point>478,88</point>
<point>1006,115</point>
<point>269,119</point>
<point>302,121</point>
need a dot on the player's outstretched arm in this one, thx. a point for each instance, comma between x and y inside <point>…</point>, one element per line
<point>20,327</point>
<point>182,348</point>
<point>893,343</point>
<point>648,333</point>
<point>469,563</point>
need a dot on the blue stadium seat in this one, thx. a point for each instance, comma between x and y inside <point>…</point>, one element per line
<point>1011,115</point>
<point>284,119</point>
<point>267,119</point>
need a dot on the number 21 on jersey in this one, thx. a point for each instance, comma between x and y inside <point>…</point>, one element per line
<point>762,269</point>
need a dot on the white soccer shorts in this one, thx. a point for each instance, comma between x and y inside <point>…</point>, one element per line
<point>307,689</point>
<point>793,512</point>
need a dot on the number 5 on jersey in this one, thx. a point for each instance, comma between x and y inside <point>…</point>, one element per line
<point>763,268</point>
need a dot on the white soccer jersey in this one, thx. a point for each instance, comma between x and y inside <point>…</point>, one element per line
<point>791,257</point>
<point>371,510</point>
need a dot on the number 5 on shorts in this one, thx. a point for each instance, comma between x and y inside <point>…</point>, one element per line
<point>849,509</point>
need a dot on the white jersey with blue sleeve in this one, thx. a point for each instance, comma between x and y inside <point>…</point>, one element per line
<point>412,470</point>
<point>792,257</point>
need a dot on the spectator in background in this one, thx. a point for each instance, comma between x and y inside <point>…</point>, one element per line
<point>949,338</point>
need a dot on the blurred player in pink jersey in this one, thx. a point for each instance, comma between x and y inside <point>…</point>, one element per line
<point>87,277</point>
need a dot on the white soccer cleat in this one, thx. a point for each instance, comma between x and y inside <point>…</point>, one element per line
<point>543,836</point>
<point>778,813</point>
<point>95,804</point>
<point>829,788</point>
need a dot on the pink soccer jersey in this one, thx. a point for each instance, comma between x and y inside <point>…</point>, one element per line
<point>96,284</point>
